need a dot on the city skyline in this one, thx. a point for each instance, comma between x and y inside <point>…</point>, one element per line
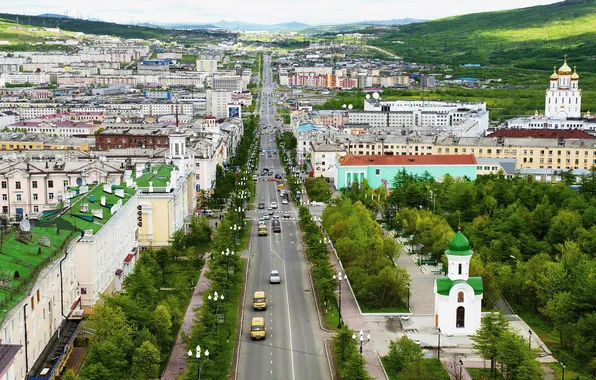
<point>330,12</point>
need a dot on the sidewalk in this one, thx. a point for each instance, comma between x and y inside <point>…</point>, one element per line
<point>178,358</point>
<point>353,319</point>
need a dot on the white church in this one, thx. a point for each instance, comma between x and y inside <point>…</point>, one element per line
<point>563,97</point>
<point>458,297</point>
<point>562,105</point>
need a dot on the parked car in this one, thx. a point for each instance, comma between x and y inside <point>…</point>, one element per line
<point>274,277</point>
<point>208,213</point>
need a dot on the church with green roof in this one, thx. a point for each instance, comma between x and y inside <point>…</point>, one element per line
<point>458,297</point>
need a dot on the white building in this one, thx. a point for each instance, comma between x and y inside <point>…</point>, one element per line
<point>207,65</point>
<point>217,102</point>
<point>563,97</point>
<point>458,297</point>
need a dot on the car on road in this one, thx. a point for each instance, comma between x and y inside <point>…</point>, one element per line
<point>277,227</point>
<point>273,204</point>
<point>270,211</point>
<point>259,300</point>
<point>284,201</point>
<point>262,154</point>
<point>261,221</point>
<point>208,213</point>
<point>287,215</point>
<point>261,205</point>
<point>274,277</point>
<point>278,176</point>
<point>265,217</point>
<point>257,328</point>
<point>262,230</point>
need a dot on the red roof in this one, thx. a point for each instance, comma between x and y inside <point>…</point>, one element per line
<point>543,133</point>
<point>129,257</point>
<point>370,160</point>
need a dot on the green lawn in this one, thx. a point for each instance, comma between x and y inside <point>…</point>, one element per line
<point>482,373</point>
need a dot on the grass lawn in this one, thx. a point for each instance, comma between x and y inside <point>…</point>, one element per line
<point>331,315</point>
<point>482,373</point>
<point>433,366</point>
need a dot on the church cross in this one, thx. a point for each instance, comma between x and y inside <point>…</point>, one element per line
<point>565,57</point>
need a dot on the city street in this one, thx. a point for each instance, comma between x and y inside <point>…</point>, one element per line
<point>293,348</point>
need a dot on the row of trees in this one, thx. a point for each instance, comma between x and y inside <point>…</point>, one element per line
<point>367,255</point>
<point>348,361</point>
<point>534,242</point>
<point>131,333</point>
<point>317,189</point>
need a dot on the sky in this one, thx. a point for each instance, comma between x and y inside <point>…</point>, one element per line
<point>259,11</point>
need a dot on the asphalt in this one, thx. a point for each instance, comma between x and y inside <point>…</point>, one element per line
<point>294,347</point>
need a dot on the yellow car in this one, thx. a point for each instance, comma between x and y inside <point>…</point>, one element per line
<point>259,300</point>
<point>257,328</point>
<point>262,230</point>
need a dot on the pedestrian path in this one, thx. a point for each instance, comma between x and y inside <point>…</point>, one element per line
<point>178,358</point>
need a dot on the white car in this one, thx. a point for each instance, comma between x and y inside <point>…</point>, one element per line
<point>284,201</point>
<point>274,205</point>
<point>265,217</point>
<point>274,277</point>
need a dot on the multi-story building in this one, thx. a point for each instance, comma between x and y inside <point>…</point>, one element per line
<point>217,102</point>
<point>64,128</point>
<point>115,138</point>
<point>229,83</point>
<point>207,65</point>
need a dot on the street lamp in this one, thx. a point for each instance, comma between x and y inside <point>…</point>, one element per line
<point>563,369</point>
<point>530,340</point>
<point>198,356</point>
<point>408,296</point>
<point>439,345</point>
<point>461,366</point>
<point>339,278</point>
<point>360,337</point>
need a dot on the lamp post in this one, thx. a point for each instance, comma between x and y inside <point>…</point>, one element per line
<point>461,367</point>
<point>563,371</point>
<point>339,278</point>
<point>529,339</point>
<point>439,345</point>
<point>408,296</point>
<point>198,356</point>
<point>361,338</point>
<point>235,228</point>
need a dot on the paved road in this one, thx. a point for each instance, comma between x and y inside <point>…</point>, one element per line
<point>293,348</point>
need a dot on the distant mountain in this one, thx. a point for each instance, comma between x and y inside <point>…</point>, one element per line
<point>190,26</point>
<point>53,15</point>
<point>233,25</point>
<point>147,25</point>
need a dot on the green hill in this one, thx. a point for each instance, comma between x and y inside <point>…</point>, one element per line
<point>29,29</point>
<point>531,38</point>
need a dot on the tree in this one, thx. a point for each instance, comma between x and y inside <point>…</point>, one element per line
<point>69,375</point>
<point>402,352</point>
<point>163,258</point>
<point>178,243</point>
<point>140,286</point>
<point>521,363</point>
<point>163,323</point>
<point>145,361</point>
<point>488,336</point>
<point>558,310</point>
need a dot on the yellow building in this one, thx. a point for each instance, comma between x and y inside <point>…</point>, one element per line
<point>20,141</point>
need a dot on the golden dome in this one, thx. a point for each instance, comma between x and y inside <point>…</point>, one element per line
<point>565,69</point>
<point>554,75</point>
<point>574,76</point>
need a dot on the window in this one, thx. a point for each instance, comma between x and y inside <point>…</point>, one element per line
<point>460,317</point>
<point>34,184</point>
<point>65,183</point>
<point>4,197</point>
<point>19,197</point>
<point>35,208</point>
<point>377,171</point>
<point>5,209</point>
<point>50,184</point>
<point>51,195</point>
<point>17,185</point>
<point>459,268</point>
<point>4,184</point>
<point>460,296</point>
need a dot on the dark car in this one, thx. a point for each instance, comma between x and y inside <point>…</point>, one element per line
<point>261,205</point>
<point>277,227</point>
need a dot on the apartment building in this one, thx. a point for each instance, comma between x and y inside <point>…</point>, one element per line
<point>117,138</point>
<point>229,83</point>
<point>64,128</point>
<point>207,65</point>
<point>217,102</point>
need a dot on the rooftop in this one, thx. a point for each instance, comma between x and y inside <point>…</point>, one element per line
<point>159,175</point>
<point>444,285</point>
<point>543,133</point>
<point>370,160</point>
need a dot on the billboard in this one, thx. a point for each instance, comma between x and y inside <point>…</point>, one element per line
<point>234,111</point>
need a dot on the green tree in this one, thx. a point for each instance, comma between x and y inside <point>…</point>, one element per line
<point>520,363</point>
<point>145,362</point>
<point>69,375</point>
<point>162,257</point>
<point>487,337</point>
<point>402,352</point>
<point>178,243</point>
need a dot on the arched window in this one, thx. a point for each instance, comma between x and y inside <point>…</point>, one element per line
<point>460,317</point>
<point>459,269</point>
<point>460,297</point>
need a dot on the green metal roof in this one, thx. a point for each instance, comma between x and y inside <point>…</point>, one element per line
<point>159,178</point>
<point>459,245</point>
<point>444,285</point>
